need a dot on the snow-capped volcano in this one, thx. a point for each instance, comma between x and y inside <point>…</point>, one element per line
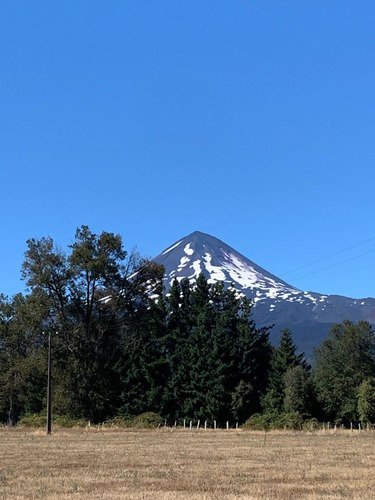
<point>308,314</point>
<point>202,253</point>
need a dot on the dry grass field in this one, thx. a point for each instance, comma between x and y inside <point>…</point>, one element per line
<point>178,464</point>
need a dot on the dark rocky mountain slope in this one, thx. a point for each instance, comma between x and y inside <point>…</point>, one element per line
<point>308,314</point>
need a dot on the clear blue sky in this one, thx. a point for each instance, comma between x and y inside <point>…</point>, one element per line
<point>249,120</point>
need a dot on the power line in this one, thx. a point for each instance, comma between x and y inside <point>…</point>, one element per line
<point>334,265</point>
<point>329,257</point>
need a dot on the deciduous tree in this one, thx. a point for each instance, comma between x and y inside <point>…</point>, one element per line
<point>343,362</point>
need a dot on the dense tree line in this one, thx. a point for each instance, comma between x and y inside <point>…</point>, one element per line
<point>121,347</point>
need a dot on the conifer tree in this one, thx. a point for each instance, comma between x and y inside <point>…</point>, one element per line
<point>143,366</point>
<point>284,358</point>
<point>220,357</point>
<point>179,325</point>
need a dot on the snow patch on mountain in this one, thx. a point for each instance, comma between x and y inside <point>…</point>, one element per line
<point>202,253</point>
<point>183,262</point>
<point>216,272</point>
<point>236,271</point>
<point>196,265</point>
<point>239,271</point>
<point>171,248</point>
<point>188,250</point>
<point>248,278</point>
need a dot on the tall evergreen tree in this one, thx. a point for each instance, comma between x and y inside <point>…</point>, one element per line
<point>284,358</point>
<point>144,369</point>
<point>179,323</point>
<point>220,357</point>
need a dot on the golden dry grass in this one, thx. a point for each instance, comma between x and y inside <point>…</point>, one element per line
<point>166,464</point>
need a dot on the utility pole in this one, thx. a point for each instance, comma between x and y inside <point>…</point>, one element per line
<point>49,395</point>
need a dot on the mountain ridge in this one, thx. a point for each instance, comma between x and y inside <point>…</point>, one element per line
<point>308,314</point>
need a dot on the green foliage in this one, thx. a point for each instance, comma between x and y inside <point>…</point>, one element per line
<point>148,420</point>
<point>260,421</point>
<point>64,421</point>
<point>272,400</point>
<point>311,424</point>
<point>288,385</point>
<point>285,355</point>
<point>216,354</point>
<point>194,354</point>
<point>343,362</point>
<point>366,401</point>
<point>242,398</point>
<point>93,305</point>
<point>22,357</point>
<point>299,391</point>
<point>38,420</point>
<point>32,420</point>
<point>120,422</point>
<point>289,421</point>
<point>275,420</point>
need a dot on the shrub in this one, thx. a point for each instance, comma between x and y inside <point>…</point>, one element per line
<point>311,424</point>
<point>120,422</point>
<point>290,421</point>
<point>33,420</point>
<point>259,421</point>
<point>263,421</point>
<point>37,420</point>
<point>64,421</point>
<point>147,420</point>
